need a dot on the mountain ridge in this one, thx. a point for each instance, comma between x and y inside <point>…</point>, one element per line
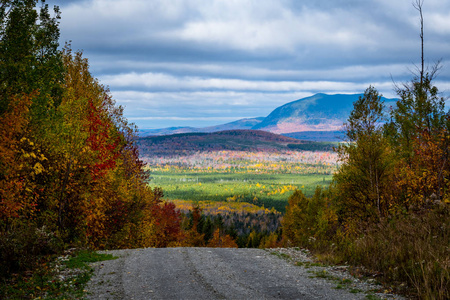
<point>246,123</point>
<point>320,112</point>
<point>317,113</point>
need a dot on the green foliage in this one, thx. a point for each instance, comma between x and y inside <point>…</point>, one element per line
<point>29,58</point>
<point>372,297</point>
<point>366,117</point>
<point>309,222</point>
<point>240,228</point>
<point>22,247</point>
<point>363,179</point>
<point>420,108</point>
<point>281,255</point>
<point>239,187</point>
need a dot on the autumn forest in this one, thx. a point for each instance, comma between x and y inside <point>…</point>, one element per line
<point>72,176</point>
<point>70,173</point>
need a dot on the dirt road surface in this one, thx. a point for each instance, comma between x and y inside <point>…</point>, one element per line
<point>207,273</point>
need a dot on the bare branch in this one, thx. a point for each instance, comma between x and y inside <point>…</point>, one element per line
<point>418,6</point>
<point>435,69</point>
<point>396,86</point>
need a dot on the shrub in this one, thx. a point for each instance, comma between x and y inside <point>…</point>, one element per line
<point>23,246</point>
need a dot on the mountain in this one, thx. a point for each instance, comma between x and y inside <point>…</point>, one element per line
<point>315,114</point>
<point>320,112</point>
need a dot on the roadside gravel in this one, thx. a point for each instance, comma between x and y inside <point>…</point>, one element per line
<point>218,273</point>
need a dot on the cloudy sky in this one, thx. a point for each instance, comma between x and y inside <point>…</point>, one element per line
<point>208,62</point>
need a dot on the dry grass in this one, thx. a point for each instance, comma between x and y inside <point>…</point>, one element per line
<point>410,251</point>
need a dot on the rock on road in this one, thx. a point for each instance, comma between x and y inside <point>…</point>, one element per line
<point>207,273</point>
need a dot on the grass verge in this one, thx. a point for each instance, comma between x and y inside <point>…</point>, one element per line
<point>63,277</point>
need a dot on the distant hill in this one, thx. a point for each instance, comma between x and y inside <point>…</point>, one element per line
<point>166,131</point>
<point>239,140</point>
<point>247,123</point>
<point>316,115</point>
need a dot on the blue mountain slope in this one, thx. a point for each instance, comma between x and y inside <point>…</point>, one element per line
<point>320,112</point>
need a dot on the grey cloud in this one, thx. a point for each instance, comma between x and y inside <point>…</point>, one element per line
<point>255,54</point>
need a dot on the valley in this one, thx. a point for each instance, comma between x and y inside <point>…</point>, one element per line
<point>261,178</point>
<point>244,191</point>
<point>249,165</point>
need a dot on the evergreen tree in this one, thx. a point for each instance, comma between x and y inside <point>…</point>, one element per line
<point>363,177</point>
<point>29,56</point>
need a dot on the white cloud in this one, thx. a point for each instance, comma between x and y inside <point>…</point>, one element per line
<point>248,25</point>
<point>169,82</point>
<point>440,23</point>
<point>163,59</point>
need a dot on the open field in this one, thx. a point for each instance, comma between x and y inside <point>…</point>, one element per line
<point>261,178</point>
<point>270,190</point>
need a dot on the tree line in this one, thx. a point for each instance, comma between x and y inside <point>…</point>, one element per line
<point>388,206</point>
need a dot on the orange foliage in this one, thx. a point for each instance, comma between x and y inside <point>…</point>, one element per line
<point>18,162</point>
<point>221,241</point>
<point>431,166</point>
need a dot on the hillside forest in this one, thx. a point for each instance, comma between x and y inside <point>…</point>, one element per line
<point>71,175</point>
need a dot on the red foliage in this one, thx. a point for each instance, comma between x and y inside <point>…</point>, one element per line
<point>167,221</point>
<point>101,142</point>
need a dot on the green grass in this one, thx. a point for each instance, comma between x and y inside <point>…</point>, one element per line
<point>270,190</point>
<point>84,257</point>
<point>45,282</point>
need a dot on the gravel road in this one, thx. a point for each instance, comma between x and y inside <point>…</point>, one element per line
<point>210,273</point>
